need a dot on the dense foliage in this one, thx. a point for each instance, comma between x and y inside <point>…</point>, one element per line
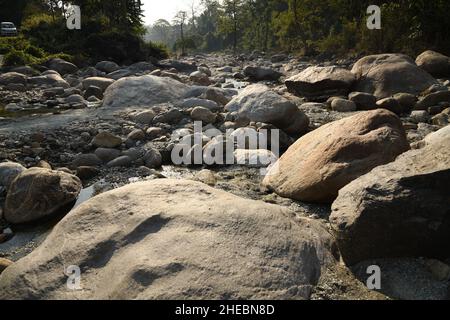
<point>330,27</point>
<point>111,30</point>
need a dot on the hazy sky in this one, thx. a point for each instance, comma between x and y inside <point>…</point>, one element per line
<point>165,9</point>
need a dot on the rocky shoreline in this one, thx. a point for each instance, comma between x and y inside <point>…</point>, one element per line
<point>362,180</point>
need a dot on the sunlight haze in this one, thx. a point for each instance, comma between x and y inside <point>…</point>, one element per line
<point>166,9</point>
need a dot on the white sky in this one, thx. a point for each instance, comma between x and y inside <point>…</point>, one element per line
<point>165,9</point>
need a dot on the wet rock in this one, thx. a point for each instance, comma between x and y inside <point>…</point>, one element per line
<point>387,74</point>
<point>320,163</point>
<point>168,241</point>
<point>399,209</point>
<point>321,82</point>
<point>37,193</point>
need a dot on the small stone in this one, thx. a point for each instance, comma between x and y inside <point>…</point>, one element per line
<point>342,105</point>
<point>137,135</point>
<point>123,161</point>
<point>440,119</point>
<point>4,263</point>
<point>390,104</point>
<point>207,177</point>
<point>440,270</point>
<point>152,158</point>
<point>145,117</point>
<point>419,116</point>
<point>203,114</point>
<point>106,140</point>
<point>154,132</point>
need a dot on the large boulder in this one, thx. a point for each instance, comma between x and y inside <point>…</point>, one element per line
<point>38,193</point>
<point>434,63</point>
<point>320,163</point>
<point>260,73</point>
<point>8,172</point>
<point>320,83</point>
<point>260,104</point>
<point>143,91</point>
<point>13,78</point>
<point>385,75</point>
<point>61,66</point>
<point>174,239</point>
<point>400,209</point>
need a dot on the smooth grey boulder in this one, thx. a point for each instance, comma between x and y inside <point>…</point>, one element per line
<point>320,83</point>
<point>260,104</point>
<point>143,91</point>
<point>385,75</point>
<point>175,239</point>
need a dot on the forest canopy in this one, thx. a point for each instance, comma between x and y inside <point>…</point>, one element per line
<point>311,27</point>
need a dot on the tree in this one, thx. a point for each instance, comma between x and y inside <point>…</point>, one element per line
<point>180,20</point>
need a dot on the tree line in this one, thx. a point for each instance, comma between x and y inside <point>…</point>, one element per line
<point>310,27</point>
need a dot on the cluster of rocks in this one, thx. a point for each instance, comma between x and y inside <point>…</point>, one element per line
<point>371,143</point>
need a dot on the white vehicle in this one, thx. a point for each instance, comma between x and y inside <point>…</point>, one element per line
<point>8,29</point>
